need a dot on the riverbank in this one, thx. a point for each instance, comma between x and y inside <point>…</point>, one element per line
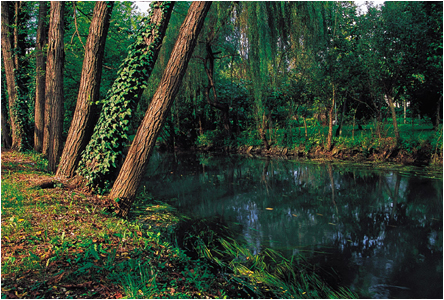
<point>63,242</point>
<point>419,145</point>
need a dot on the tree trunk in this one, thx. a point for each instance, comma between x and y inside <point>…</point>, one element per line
<point>128,180</point>
<point>330,122</point>
<point>6,134</point>
<point>393,112</point>
<point>18,133</point>
<point>262,132</point>
<point>305,126</point>
<point>104,152</point>
<point>54,85</point>
<point>341,122</point>
<point>438,114</point>
<point>405,111</point>
<point>85,114</point>
<point>209,70</point>
<point>39,116</point>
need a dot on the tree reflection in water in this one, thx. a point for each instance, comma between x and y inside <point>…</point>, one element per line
<point>378,232</point>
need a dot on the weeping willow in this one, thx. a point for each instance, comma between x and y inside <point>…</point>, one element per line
<point>267,29</point>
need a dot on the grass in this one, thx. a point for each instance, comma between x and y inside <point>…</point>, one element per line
<point>418,142</point>
<point>63,243</point>
<point>265,275</point>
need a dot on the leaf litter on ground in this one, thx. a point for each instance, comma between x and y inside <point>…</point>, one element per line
<point>63,243</point>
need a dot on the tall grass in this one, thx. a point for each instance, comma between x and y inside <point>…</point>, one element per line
<point>264,275</point>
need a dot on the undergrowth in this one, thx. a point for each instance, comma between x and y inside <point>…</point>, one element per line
<point>420,138</point>
<point>64,243</point>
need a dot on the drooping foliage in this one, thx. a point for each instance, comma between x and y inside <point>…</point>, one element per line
<point>104,152</point>
<point>306,54</point>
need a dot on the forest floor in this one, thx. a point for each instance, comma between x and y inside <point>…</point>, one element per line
<point>64,242</point>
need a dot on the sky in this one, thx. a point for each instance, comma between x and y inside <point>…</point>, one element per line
<point>144,5</point>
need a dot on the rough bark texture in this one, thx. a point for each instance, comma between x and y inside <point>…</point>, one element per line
<point>10,74</point>
<point>85,114</point>
<point>39,112</point>
<point>103,155</point>
<point>128,180</point>
<point>54,84</point>
<point>6,134</point>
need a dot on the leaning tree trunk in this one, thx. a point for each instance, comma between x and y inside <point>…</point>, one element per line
<point>39,112</point>
<point>85,114</point>
<point>128,180</point>
<point>54,85</point>
<point>16,122</point>
<point>100,159</point>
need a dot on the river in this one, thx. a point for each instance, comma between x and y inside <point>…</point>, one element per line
<point>376,231</point>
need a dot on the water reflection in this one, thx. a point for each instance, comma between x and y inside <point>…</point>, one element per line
<point>379,233</point>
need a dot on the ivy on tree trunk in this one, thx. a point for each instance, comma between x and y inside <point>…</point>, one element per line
<point>100,159</point>
<point>85,115</point>
<point>128,180</point>
<point>17,107</point>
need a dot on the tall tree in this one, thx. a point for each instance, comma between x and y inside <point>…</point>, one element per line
<point>6,135</point>
<point>100,159</point>
<point>54,85</point>
<point>15,99</point>
<point>39,115</point>
<point>85,115</point>
<point>130,175</point>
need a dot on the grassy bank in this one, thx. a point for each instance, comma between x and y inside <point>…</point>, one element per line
<point>418,144</point>
<point>62,242</point>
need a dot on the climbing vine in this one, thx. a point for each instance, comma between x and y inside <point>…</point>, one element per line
<point>104,153</point>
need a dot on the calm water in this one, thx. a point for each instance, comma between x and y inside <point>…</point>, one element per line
<point>379,232</point>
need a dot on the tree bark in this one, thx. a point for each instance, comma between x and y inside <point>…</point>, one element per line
<point>262,132</point>
<point>128,180</point>
<point>393,112</point>
<point>17,129</point>
<point>330,121</point>
<point>39,112</point>
<point>54,85</point>
<point>102,156</point>
<point>85,114</point>
<point>209,70</point>
<point>6,134</point>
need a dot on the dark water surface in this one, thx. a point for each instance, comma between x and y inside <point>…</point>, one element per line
<point>378,232</point>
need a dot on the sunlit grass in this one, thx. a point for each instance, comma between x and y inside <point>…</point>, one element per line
<point>63,243</point>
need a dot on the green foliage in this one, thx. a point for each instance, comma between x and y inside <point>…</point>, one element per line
<point>63,244</point>
<point>122,27</point>
<point>103,154</point>
<point>264,275</point>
